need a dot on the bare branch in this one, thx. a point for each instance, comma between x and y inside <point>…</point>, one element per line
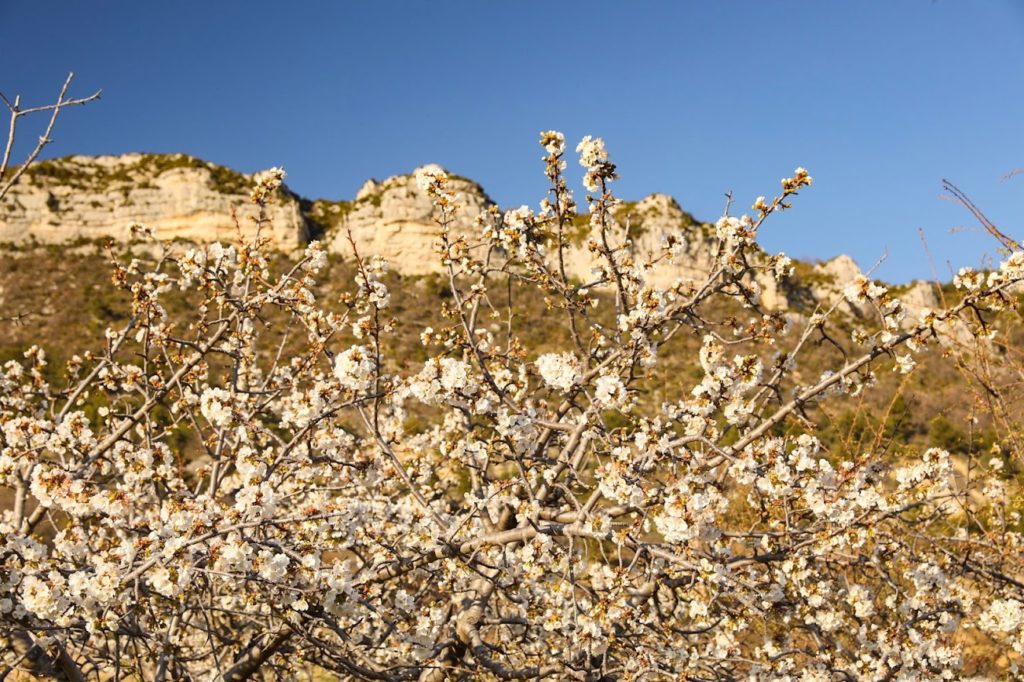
<point>16,112</point>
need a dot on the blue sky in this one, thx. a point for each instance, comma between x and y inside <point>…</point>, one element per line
<point>879,100</point>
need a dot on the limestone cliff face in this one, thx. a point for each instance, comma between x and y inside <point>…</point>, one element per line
<point>650,222</point>
<point>655,219</point>
<point>179,196</point>
<point>394,219</point>
<point>826,282</point>
<point>174,195</point>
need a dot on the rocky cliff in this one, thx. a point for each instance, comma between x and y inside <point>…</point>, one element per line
<point>394,219</point>
<point>179,196</point>
<point>173,194</point>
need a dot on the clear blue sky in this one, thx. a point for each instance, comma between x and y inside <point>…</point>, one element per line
<point>880,100</point>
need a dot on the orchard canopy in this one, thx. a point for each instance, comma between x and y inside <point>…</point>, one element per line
<point>262,484</point>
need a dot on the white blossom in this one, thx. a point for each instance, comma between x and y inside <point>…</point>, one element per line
<point>559,371</point>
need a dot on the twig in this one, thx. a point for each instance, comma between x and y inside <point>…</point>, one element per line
<point>17,112</point>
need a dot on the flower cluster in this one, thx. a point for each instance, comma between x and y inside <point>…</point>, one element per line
<point>515,231</point>
<point>559,370</point>
<point>265,184</point>
<point>594,158</point>
<point>432,180</point>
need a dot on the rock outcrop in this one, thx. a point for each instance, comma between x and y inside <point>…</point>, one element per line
<point>394,219</point>
<point>179,196</point>
<point>174,195</point>
<point>825,282</point>
<point>655,219</point>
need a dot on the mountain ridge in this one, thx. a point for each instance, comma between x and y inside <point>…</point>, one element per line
<point>186,197</point>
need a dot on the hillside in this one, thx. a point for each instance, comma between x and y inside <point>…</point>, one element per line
<point>55,275</point>
<point>61,297</point>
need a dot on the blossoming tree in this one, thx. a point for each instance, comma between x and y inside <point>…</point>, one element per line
<point>543,518</point>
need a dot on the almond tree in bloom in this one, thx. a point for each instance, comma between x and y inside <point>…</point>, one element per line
<point>544,520</point>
